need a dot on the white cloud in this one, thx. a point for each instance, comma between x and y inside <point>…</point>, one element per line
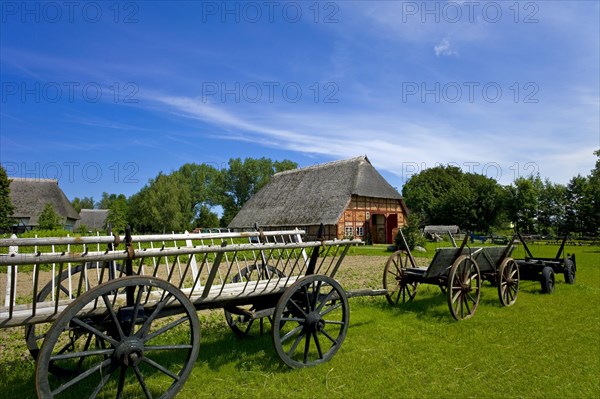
<point>444,48</point>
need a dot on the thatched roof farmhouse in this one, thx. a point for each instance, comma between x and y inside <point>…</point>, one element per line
<point>349,197</point>
<point>30,195</point>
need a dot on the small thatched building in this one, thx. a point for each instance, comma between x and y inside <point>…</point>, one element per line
<point>349,197</point>
<point>30,195</point>
<point>92,219</point>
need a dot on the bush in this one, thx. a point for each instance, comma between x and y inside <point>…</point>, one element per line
<point>412,233</point>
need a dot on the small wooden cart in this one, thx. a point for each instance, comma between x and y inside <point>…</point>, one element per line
<point>458,272</point>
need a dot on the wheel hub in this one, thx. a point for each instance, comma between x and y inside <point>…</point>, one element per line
<point>130,352</point>
<point>314,322</point>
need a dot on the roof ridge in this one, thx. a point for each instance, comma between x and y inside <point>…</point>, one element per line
<point>33,179</point>
<point>324,165</point>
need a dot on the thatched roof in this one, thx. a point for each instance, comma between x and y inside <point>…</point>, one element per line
<point>29,196</point>
<point>92,219</point>
<point>453,229</point>
<point>313,195</point>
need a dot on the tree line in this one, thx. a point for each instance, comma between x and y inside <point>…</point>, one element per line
<point>187,197</point>
<point>446,195</point>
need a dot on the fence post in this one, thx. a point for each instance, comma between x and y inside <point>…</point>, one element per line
<point>12,250</point>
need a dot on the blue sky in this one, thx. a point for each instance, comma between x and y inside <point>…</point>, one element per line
<point>104,95</point>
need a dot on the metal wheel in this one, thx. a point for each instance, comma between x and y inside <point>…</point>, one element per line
<point>508,277</point>
<point>569,271</point>
<point>547,280</point>
<point>241,325</point>
<point>464,286</point>
<point>35,334</point>
<point>399,288</point>
<point>311,321</point>
<point>150,341</point>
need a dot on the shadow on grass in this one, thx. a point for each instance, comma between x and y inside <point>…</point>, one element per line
<point>17,379</point>
<point>223,348</point>
<point>429,305</point>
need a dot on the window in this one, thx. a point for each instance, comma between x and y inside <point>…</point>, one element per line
<point>348,232</point>
<point>359,231</point>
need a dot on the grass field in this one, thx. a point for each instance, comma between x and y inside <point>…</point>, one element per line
<point>544,346</point>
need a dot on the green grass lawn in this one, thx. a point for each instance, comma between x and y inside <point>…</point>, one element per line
<point>544,346</point>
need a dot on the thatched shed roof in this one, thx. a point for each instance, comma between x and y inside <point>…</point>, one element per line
<point>313,195</point>
<point>432,229</point>
<point>92,219</point>
<point>29,196</point>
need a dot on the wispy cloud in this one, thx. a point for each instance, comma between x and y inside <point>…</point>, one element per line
<point>394,143</point>
<point>444,48</point>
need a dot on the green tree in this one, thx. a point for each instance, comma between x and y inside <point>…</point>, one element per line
<point>6,206</point>
<point>204,183</point>
<point>412,233</point>
<point>594,194</point>
<point>164,205</point>
<point>107,200</point>
<point>244,178</point>
<point>523,203</point>
<point>551,211</point>
<point>486,206</point>
<point>117,214</point>
<point>446,195</point>
<point>579,209</point>
<point>49,219</point>
<point>206,218</point>
<point>137,207</point>
<point>83,203</point>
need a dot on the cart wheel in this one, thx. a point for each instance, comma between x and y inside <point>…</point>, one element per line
<point>242,325</point>
<point>35,333</point>
<point>547,280</point>
<point>464,285</point>
<point>508,276</point>
<point>315,310</point>
<point>148,356</point>
<point>569,271</point>
<point>395,280</point>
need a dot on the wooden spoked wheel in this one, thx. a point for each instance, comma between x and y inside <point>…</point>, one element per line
<point>464,286</point>
<point>93,275</point>
<point>310,322</point>
<point>149,342</point>
<point>399,288</point>
<point>508,282</point>
<point>242,325</point>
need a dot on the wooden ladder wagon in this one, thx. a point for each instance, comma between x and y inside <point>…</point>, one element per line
<point>123,309</point>
<point>458,272</point>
